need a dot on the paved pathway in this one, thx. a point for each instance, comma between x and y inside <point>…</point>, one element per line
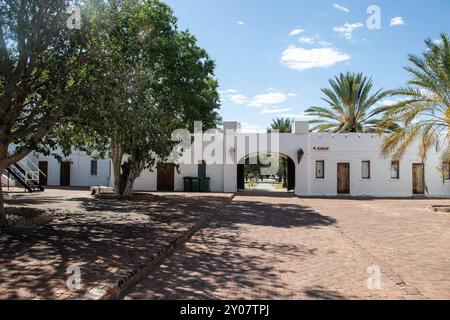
<point>100,236</point>
<point>280,248</point>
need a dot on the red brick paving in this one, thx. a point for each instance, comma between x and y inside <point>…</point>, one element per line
<point>100,236</point>
<point>290,248</point>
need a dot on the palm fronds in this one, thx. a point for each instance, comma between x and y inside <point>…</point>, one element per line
<point>351,105</point>
<point>423,114</point>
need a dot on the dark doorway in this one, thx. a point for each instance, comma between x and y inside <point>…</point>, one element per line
<point>418,172</point>
<point>65,174</point>
<point>343,178</point>
<point>241,177</point>
<point>290,174</point>
<point>166,177</point>
<point>43,173</point>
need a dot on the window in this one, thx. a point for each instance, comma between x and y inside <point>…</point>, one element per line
<point>93,167</point>
<point>446,171</point>
<point>395,170</point>
<point>320,169</point>
<point>366,169</point>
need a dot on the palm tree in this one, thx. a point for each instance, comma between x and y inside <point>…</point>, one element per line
<point>424,111</point>
<point>283,125</point>
<point>351,105</point>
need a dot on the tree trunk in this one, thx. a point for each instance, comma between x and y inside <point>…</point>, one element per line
<point>129,185</point>
<point>2,206</point>
<point>128,191</point>
<point>116,159</point>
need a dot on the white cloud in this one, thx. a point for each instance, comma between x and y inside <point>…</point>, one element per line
<point>342,8</point>
<point>241,23</point>
<point>314,39</point>
<point>292,94</point>
<point>308,40</point>
<point>296,32</point>
<point>397,21</point>
<point>301,116</point>
<point>347,29</point>
<point>239,99</point>
<point>276,110</point>
<point>227,93</point>
<point>303,59</point>
<point>270,98</point>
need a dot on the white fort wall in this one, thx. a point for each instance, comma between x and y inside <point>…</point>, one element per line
<point>330,148</point>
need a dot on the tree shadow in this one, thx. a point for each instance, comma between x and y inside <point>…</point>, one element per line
<point>99,237</point>
<point>221,263</point>
<point>321,293</point>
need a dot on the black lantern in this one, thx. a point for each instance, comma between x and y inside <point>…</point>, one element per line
<point>300,155</point>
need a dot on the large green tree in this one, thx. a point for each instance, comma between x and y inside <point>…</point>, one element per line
<point>424,110</point>
<point>148,79</point>
<point>41,68</point>
<point>352,107</point>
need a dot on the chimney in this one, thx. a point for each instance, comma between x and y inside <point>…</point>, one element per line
<point>301,127</point>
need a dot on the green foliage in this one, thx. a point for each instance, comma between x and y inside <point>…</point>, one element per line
<point>424,110</point>
<point>41,68</point>
<point>282,125</point>
<point>146,79</point>
<point>351,105</point>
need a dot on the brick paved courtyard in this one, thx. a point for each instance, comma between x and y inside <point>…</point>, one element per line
<point>290,248</point>
<point>100,236</point>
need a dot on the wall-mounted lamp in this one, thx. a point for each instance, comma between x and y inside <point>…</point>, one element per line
<point>300,155</point>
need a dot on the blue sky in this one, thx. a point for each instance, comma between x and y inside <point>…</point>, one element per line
<point>273,57</point>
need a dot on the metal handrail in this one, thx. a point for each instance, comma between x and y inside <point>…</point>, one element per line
<point>28,171</point>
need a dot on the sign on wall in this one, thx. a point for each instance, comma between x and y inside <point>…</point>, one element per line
<point>321,148</point>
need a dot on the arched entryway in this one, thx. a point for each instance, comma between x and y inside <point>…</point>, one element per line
<point>251,175</point>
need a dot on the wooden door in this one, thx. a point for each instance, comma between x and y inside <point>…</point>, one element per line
<point>241,177</point>
<point>166,177</point>
<point>343,178</point>
<point>290,174</point>
<point>43,173</point>
<point>418,178</point>
<point>65,174</point>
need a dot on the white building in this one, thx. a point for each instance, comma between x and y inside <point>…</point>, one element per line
<point>323,164</point>
<point>319,165</point>
<point>76,170</point>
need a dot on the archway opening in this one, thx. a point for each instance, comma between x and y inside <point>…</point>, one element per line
<point>264,173</point>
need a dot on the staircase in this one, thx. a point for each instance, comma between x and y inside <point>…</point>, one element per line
<point>26,176</point>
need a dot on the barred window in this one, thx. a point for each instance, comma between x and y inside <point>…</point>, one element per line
<point>366,169</point>
<point>320,169</point>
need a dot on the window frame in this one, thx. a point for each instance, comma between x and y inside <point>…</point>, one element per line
<point>369,170</point>
<point>323,170</point>
<point>397,163</point>
<point>446,171</point>
<point>92,167</point>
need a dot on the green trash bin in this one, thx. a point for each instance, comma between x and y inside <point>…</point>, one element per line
<point>205,184</point>
<point>187,184</point>
<point>195,185</point>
